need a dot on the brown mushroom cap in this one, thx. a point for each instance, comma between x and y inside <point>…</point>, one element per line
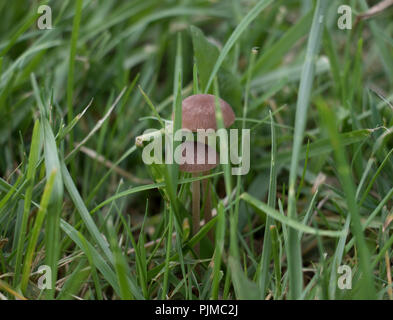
<point>198,112</point>
<point>191,158</point>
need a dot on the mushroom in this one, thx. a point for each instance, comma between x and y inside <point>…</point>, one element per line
<point>199,112</point>
<point>197,157</point>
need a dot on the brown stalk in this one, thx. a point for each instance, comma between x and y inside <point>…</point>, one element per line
<point>196,198</point>
<point>208,204</point>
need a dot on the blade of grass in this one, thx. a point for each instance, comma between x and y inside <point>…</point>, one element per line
<point>52,228</point>
<point>372,216</point>
<point>186,247</point>
<point>121,267</point>
<point>71,66</point>
<point>219,248</point>
<point>367,283</point>
<point>290,222</point>
<point>241,27</point>
<point>6,287</point>
<point>83,212</point>
<point>263,269</point>
<point>148,187</point>
<point>321,146</point>
<point>274,53</point>
<point>167,255</point>
<point>31,171</point>
<point>94,273</point>
<point>253,54</point>
<point>29,21</point>
<point>98,260</point>
<point>224,149</point>
<point>276,258</point>
<point>96,127</point>
<point>49,187</point>
<point>294,256</point>
<point>152,107</point>
<point>177,105</point>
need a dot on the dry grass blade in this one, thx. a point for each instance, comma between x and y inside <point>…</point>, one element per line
<point>7,288</point>
<point>375,10</point>
<point>109,164</point>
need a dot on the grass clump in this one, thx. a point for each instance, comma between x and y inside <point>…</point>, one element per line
<point>76,196</point>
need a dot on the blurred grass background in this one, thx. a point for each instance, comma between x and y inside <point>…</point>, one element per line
<point>76,196</point>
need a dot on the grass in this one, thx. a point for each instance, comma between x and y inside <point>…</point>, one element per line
<point>302,105</point>
<point>76,196</point>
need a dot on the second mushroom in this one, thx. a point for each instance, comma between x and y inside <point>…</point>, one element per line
<point>199,113</point>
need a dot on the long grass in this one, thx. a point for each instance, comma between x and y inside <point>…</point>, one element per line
<point>75,195</point>
<point>306,81</point>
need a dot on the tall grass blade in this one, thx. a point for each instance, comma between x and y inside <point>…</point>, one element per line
<point>294,255</point>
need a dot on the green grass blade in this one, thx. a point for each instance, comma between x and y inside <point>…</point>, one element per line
<point>241,27</point>
<point>219,248</point>
<point>319,147</point>
<point>52,228</point>
<point>263,270</point>
<point>121,267</point>
<point>98,260</point>
<point>290,222</point>
<point>31,172</point>
<point>71,66</point>
<point>272,55</point>
<point>294,251</point>
<point>367,283</point>
<point>84,213</point>
<point>168,249</point>
<point>45,200</point>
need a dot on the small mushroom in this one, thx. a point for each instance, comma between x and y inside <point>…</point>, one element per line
<point>199,112</point>
<point>198,158</point>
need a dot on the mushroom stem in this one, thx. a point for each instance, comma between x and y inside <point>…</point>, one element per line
<point>208,204</point>
<point>196,198</point>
